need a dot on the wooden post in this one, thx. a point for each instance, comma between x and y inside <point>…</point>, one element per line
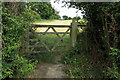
<point>73,32</point>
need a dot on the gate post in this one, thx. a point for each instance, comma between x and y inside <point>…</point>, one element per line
<point>73,32</point>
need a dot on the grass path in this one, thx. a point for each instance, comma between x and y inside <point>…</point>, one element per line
<point>49,70</point>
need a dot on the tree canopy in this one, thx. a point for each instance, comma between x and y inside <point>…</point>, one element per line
<point>44,9</point>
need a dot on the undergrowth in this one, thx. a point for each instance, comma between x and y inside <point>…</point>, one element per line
<point>79,65</point>
<point>93,62</point>
<point>42,57</point>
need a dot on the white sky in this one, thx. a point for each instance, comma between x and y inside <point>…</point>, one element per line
<point>71,12</point>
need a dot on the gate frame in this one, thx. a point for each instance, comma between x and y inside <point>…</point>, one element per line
<point>73,34</point>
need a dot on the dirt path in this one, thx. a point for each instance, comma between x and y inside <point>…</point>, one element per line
<point>49,70</point>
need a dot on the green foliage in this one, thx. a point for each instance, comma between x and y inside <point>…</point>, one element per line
<point>44,9</point>
<point>102,33</point>
<point>18,67</point>
<point>95,42</point>
<point>31,15</point>
<point>79,66</point>
<point>83,21</point>
<point>114,52</point>
<point>93,66</point>
<point>15,25</point>
<point>69,18</point>
<point>65,17</point>
<point>54,16</point>
<point>96,13</point>
<point>114,70</point>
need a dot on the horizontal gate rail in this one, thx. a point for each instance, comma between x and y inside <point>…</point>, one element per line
<point>50,51</point>
<point>51,26</point>
<point>50,33</point>
<point>59,45</point>
<point>63,26</point>
<point>47,39</point>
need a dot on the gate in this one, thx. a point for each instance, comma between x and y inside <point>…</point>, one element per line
<point>52,38</point>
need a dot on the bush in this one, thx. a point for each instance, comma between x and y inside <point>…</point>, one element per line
<point>14,28</point>
<point>113,71</point>
<point>78,65</point>
<point>18,67</point>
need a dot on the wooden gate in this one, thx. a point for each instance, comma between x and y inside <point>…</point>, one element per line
<point>51,38</point>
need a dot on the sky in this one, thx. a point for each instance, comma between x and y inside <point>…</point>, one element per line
<point>71,12</point>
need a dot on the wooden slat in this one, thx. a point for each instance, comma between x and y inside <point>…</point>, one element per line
<point>66,32</point>
<point>45,45</point>
<point>48,39</point>
<point>52,33</point>
<point>60,45</point>
<point>79,25</point>
<point>51,25</point>
<point>46,30</point>
<point>49,51</point>
<point>55,32</point>
<point>34,45</point>
<point>59,40</point>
